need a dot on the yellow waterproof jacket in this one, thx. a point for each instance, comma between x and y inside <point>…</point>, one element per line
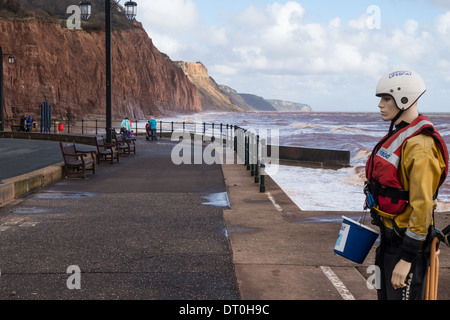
<point>421,168</point>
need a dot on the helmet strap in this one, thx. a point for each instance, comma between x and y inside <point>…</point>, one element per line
<point>391,129</point>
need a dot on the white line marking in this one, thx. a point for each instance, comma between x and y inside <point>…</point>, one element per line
<point>12,221</point>
<point>337,283</point>
<point>28,224</point>
<point>9,223</point>
<point>276,205</point>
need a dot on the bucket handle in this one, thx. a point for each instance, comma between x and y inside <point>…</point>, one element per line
<point>363,219</point>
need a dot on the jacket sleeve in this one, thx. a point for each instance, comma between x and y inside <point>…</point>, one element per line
<point>421,170</point>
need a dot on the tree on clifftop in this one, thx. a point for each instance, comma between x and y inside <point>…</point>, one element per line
<point>57,10</point>
<point>11,5</point>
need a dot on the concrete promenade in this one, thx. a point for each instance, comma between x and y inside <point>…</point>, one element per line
<point>147,229</point>
<point>137,229</point>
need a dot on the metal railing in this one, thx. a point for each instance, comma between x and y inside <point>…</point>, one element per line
<point>250,150</point>
<point>253,152</point>
<point>97,126</point>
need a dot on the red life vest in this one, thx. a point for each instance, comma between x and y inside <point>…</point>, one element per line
<point>383,165</point>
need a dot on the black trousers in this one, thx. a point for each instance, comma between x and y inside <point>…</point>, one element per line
<point>388,254</point>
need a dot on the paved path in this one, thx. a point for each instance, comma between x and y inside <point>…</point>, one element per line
<point>282,252</point>
<point>19,156</point>
<point>136,230</point>
<point>141,229</point>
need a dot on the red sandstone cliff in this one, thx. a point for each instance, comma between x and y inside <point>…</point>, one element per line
<point>211,96</point>
<point>68,68</point>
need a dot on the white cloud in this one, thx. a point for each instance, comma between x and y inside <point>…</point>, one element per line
<point>170,15</point>
<point>335,23</point>
<point>442,24</point>
<point>226,70</point>
<point>441,3</point>
<point>215,35</point>
<point>171,44</point>
<point>252,57</point>
<point>411,27</point>
<point>287,17</point>
<point>170,24</point>
<point>276,50</point>
<point>360,23</point>
<point>347,57</point>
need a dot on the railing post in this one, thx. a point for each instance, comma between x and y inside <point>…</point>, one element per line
<point>241,144</point>
<point>228,137</point>
<point>257,160</point>
<point>247,150</point>
<point>252,154</point>
<point>232,137</point>
<point>244,147</point>
<point>262,187</point>
<point>235,144</point>
<point>231,134</point>
<point>96,126</point>
<point>82,126</point>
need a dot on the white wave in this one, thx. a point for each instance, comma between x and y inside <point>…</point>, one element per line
<point>303,125</point>
<point>320,189</point>
<point>362,154</point>
<point>313,189</point>
<point>442,206</point>
<point>445,132</point>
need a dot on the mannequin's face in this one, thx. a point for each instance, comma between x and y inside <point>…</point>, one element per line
<point>388,108</point>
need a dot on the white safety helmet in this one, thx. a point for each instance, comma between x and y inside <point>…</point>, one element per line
<point>405,86</point>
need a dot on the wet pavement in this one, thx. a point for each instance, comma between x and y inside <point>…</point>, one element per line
<point>147,229</point>
<point>18,156</point>
<point>140,229</point>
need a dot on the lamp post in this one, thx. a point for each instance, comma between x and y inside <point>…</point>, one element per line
<point>130,13</point>
<point>2,109</point>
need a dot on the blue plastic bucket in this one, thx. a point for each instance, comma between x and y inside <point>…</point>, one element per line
<point>355,240</point>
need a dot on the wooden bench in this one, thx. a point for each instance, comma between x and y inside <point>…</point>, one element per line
<point>132,143</point>
<point>105,151</point>
<point>123,144</point>
<point>128,145</point>
<point>76,161</point>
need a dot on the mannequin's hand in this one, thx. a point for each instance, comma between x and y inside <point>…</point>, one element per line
<point>400,273</point>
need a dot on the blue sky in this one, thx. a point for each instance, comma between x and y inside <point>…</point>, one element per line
<point>328,54</point>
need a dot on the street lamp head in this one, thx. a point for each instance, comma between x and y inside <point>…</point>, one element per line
<point>85,7</point>
<point>130,10</point>
<point>11,60</point>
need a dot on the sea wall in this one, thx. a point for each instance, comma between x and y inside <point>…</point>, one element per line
<point>312,157</point>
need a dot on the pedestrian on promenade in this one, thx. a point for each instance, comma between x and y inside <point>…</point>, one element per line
<point>22,123</point>
<point>29,123</point>
<point>125,127</point>
<point>403,173</point>
<point>152,124</point>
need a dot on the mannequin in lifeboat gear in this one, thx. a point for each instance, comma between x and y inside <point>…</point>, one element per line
<point>404,173</point>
